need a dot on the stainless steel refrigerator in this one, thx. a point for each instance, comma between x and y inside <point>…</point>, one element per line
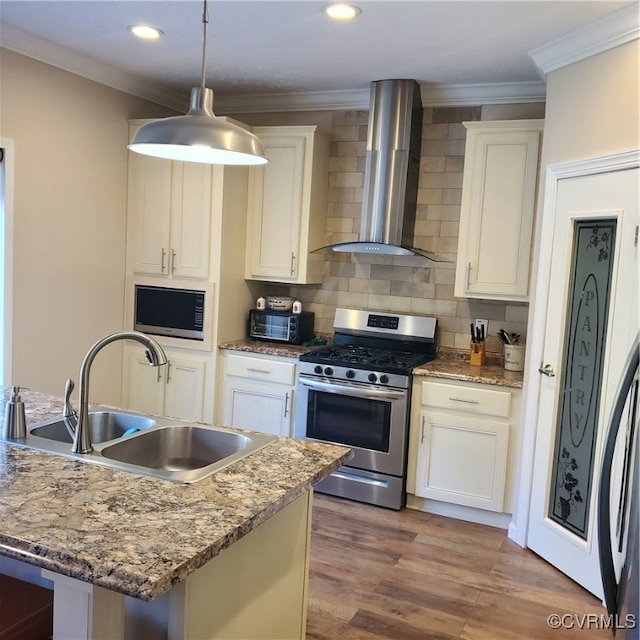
<point>618,510</point>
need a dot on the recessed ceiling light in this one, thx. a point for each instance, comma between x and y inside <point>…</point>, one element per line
<point>145,32</point>
<point>342,11</point>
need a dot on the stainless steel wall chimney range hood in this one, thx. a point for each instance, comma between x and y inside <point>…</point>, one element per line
<point>391,172</point>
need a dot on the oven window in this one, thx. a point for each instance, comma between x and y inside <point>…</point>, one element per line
<point>355,422</point>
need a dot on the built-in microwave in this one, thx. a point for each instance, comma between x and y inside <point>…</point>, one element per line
<point>169,311</point>
<point>281,326</point>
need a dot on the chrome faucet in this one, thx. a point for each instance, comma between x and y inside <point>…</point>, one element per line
<point>78,423</point>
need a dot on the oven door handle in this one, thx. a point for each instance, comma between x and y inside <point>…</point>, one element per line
<point>349,389</point>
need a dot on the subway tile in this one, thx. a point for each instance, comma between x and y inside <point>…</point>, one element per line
<point>443,292</point>
<point>449,229</point>
<point>432,164</point>
<point>346,163</point>
<point>346,179</point>
<point>454,164</point>
<point>434,132</point>
<point>517,313</point>
<point>442,181</point>
<point>368,285</point>
<point>433,307</point>
<point>451,196</point>
<point>390,272</point>
<point>456,114</point>
<point>444,276</point>
<point>481,309</point>
<point>349,133</point>
<point>428,228</point>
<point>448,212</point>
<point>413,289</point>
<point>349,118</point>
<point>395,304</point>
<point>429,196</point>
<point>342,225</point>
<point>456,131</point>
<point>443,148</point>
<point>344,209</point>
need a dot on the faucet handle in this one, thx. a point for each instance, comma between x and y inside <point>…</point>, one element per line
<point>68,389</point>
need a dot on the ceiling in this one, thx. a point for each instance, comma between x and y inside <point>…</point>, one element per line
<point>261,49</point>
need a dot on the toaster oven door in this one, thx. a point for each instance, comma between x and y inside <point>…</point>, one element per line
<point>268,326</point>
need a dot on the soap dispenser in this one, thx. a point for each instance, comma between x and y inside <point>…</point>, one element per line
<point>15,423</point>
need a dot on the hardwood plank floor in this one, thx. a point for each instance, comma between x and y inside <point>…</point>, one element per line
<point>378,574</point>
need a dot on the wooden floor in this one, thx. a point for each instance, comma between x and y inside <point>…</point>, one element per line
<point>410,575</point>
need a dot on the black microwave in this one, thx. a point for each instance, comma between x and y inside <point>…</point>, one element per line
<point>167,311</point>
<point>281,326</point>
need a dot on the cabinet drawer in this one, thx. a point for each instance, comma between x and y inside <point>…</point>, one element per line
<point>458,398</point>
<point>260,369</point>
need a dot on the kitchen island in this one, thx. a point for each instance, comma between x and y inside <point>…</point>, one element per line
<point>132,556</point>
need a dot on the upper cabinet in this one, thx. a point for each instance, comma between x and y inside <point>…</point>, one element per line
<point>497,210</point>
<point>287,206</point>
<point>169,216</point>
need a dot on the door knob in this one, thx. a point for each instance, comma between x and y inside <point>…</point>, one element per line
<point>547,370</point>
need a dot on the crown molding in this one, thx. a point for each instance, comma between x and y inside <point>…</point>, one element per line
<point>432,96</point>
<point>616,29</point>
<point>52,54</point>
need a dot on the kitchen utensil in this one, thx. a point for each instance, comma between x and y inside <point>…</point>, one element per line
<point>504,337</point>
<point>280,303</point>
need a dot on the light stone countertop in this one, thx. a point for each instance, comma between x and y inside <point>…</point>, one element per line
<point>137,535</point>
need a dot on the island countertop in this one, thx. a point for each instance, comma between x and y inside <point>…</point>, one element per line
<point>136,535</point>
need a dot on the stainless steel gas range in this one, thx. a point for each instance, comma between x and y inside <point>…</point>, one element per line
<point>356,392</point>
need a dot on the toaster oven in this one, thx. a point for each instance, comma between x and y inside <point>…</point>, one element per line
<point>280,326</point>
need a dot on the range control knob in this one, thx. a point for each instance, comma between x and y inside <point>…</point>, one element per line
<point>328,371</point>
<point>317,369</point>
<point>350,373</point>
<point>384,378</point>
<point>372,377</point>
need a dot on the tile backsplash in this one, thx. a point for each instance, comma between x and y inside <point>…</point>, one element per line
<point>403,284</point>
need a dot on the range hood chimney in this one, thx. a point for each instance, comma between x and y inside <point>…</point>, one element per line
<point>391,172</point>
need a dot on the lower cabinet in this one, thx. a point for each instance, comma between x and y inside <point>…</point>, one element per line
<point>257,393</point>
<point>175,390</point>
<point>461,448</point>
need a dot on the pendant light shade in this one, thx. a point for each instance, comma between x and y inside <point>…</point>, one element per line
<point>199,136</point>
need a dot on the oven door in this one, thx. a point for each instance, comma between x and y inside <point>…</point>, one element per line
<point>370,419</point>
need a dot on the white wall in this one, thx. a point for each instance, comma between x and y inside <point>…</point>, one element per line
<point>70,139</point>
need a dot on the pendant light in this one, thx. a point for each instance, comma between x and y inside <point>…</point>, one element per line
<point>199,136</point>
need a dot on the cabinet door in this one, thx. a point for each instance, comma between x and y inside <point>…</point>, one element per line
<point>275,210</point>
<point>462,460</point>
<point>143,385</point>
<point>257,407</point>
<point>497,211</point>
<point>184,388</point>
<point>149,208</point>
<point>190,220</point>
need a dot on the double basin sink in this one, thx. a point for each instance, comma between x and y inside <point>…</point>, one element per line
<point>157,447</point>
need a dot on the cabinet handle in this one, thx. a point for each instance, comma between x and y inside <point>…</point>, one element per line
<point>468,276</point>
<point>422,431</point>
<point>547,370</point>
<point>168,371</point>
<point>254,370</point>
<point>286,405</point>
<point>158,374</point>
<point>465,401</point>
<point>173,260</point>
<point>293,259</point>
<point>163,255</point>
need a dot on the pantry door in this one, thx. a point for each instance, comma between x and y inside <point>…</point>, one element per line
<point>591,320</point>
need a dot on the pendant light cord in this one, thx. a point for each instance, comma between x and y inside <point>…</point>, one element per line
<point>205,22</point>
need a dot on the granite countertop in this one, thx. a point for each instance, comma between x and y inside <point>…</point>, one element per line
<point>451,364</point>
<point>266,348</point>
<point>136,535</point>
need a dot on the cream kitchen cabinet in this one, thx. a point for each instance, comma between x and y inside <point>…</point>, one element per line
<point>169,216</point>
<point>258,393</point>
<point>287,206</point>
<point>176,390</point>
<point>462,446</point>
<point>497,209</point>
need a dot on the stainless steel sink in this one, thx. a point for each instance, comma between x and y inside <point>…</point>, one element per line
<point>162,448</point>
<point>179,449</point>
<point>103,426</point>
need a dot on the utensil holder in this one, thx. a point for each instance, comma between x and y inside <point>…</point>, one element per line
<point>514,357</point>
<point>476,354</point>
